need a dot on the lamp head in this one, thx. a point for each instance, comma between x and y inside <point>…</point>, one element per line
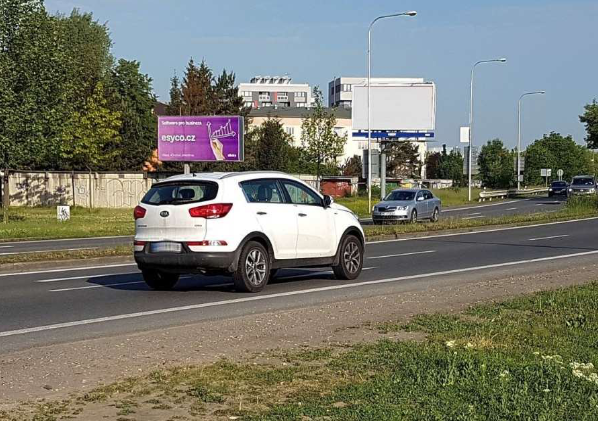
<point>411,13</point>
<point>502,60</point>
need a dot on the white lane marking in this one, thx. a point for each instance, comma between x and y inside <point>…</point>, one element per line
<point>49,280</point>
<point>95,286</point>
<point>4,247</point>
<point>549,237</point>
<point>60,270</point>
<point>18,242</point>
<point>481,206</point>
<point>471,218</point>
<point>47,251</point>
<point>400,254</point>
<point>475,213</point>
<point>283,294</point>
<point>436,236</point>
<point>511,209</point>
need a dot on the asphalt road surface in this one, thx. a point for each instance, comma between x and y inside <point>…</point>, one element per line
<point>58,305</point>
<point>496,209</point>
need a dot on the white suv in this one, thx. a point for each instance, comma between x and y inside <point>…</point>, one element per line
<point>246,224</point>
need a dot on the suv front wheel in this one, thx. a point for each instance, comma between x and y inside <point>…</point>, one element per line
<point>350,259</point>
<point>253,270</point>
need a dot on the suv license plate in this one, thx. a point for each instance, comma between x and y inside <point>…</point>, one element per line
<point>165,247</point>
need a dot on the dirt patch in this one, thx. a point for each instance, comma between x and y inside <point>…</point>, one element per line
<point>43,376</point>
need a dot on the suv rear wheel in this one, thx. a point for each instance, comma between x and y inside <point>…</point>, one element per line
<point>350,260</point>
<point>158,280</point>
<point>253,270</point>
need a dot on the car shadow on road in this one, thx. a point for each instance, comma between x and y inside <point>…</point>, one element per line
<point>198,282</point>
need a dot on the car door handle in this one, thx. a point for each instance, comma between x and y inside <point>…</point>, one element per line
<point>261,213</point>
<point>302,215</point>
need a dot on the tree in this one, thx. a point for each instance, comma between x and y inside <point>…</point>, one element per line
<point>452,167</point>
<point>402,159</point>
<point>555,152</point>
<point>175,105</point>
<point>353,166</point>
<point>273,145</point>
<point>320,142</point>
<point>132,96</point>
<point>496,165</point>
<point>91,134</point>
<point>433,165</point>
<point>590,119</point>
<point>197,92</point>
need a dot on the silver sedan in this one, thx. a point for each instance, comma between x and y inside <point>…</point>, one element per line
<point>407,205</point>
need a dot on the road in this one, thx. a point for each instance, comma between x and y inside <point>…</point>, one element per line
<point>497,209</point>
<point>500,209</point>
<point>60,305</point>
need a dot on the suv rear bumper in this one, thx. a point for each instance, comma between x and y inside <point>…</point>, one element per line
<point>187,261</point>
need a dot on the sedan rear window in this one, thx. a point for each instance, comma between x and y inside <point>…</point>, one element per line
<point>401,195</point>
<point>180,193</point>
<point>559,184</point>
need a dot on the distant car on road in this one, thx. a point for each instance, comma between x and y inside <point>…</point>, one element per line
<point>407,205</point>
<point>247,225</point>
<point>582,185</point>
<point>558,188</point>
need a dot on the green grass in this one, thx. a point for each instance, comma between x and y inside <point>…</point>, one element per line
<point>533,357</point>
<point>41,223</point>
<point>449,198</point>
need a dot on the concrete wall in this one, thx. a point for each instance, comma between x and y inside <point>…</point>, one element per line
<point>99,190</point>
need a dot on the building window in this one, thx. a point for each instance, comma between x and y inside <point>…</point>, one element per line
<point>248,103</point>
<point>246,94</point>
<point>289,130</point>
<point>300,94</point>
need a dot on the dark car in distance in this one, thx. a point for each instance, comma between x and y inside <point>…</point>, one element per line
<point>558,188</point>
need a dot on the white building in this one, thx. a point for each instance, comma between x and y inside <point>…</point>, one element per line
<point>275,91</point>
<point>292,118</point>
<point>340,90</point>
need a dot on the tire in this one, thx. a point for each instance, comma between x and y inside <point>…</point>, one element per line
<point>350,259</point>
<point>158,280</point>
<point>253,271</point>
<point>435,216</point>
<point>413,218</point>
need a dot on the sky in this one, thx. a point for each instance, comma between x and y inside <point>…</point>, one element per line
<point>550,45</point>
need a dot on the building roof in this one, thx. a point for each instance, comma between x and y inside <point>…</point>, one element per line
<point>298,112</point>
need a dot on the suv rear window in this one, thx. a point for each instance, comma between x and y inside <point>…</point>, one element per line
<point>585,181</point>
<point>180,193</point>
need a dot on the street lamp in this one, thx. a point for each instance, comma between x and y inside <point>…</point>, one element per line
<point>519,133</point>
<point>395,15</point>
<point>501,60</point>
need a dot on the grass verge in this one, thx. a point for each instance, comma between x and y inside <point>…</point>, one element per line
<point>41,223</point>
<point>532,357</point>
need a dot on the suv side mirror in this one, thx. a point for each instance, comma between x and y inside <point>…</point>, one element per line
<point>328,201</point>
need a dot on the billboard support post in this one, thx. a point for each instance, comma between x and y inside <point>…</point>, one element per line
<point>412,13</point>
<point>186,168</point>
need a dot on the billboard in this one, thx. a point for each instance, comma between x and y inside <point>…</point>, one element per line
<point>396,107</point>
<point>200,138</point>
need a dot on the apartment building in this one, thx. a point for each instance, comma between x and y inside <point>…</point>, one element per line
<point>275,91</point>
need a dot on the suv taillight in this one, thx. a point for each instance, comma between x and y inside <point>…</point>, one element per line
<point>139,212</point>
<point>210,211</point>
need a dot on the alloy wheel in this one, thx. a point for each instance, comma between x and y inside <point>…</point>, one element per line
<point>255,267</point>
<point>352,257</point>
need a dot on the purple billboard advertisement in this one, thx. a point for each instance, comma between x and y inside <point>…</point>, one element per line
<point>200,138</point>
